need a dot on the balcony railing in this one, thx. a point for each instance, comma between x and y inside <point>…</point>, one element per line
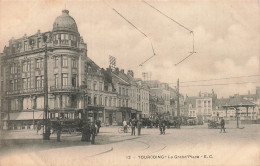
<point>64,88</point>
<point>25,91</point>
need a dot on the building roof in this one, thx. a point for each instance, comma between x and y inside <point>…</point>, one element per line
<point>238,101</point>
<point>191,100</point>
<point>65,22</point>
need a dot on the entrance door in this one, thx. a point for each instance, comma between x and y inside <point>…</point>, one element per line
<point>95,116</point>
<point>110,119</point>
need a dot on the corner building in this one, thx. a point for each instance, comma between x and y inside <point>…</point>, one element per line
<point>22,75</point>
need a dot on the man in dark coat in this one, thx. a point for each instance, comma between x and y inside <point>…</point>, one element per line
<point>222,124</point>
<point>98,123</point>
<point>88,131</point>
<point>139,126</point>
<point>163,126</point>
<point>93,133</point>
<point>160,126</point>
<point>84,132</point>
<point>133,125</point>
<point>58,128</point>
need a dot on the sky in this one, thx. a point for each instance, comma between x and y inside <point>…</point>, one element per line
<point>226,37</point>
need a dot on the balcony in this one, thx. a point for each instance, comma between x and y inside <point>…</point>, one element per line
<point>64,88</point>
<point>25,91</point>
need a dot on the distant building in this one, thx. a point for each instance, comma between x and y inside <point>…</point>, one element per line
<point>162,92</point>
<point>201,105</point>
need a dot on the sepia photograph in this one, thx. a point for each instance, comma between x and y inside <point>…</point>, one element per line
<point>130,82</point>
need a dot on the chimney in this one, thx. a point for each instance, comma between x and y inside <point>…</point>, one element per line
<point>130,72</point>
<point>117,70</point>
<point>122,71</point>
<point>249,92</point>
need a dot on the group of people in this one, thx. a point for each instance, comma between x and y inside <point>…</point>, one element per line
<point>90,131</point>
<point>133,124</point>
<point>162,126</point>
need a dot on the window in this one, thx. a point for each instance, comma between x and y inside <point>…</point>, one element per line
<point>25,83</point>
<point>12,85</point>
<point>126,92</point>
<point>74,80</point>
<point>74,63</point>
<point>114,102</point>
<point>101,86</point>
<point>40,102</point>
<point>74,101</point>
<point>105,101</point>
<point>39,82</point>
<point>110,102</point>
<point>14,104</point>
<point>95,100</point>
<point>56,59</point>
<point>123,91</point>
<point>28,83</point>
<point>14,68</point>
<point>64,37</point>
<point>26,46</point>
<point>56,79</point>
<point>64,79</point>
<point>38,42</point>
<point>95,85</point>
<point>64,61</point>
<point>123,102</point>
<point>119,90</point>
<point>100,100</point>
<point>39,63</point>
<point>27,103</point>
<point>15,84</point>
<point>126,103</point>
<point>26,66</point>
<point>89,84</point>
<point>89,99</point>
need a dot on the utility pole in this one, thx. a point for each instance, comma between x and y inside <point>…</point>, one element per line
<point>178,98</point>
<point>46,135</point>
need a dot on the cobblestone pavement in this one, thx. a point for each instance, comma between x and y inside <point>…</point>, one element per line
<point>191,145</point>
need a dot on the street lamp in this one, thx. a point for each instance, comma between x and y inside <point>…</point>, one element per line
<point>46,134</point>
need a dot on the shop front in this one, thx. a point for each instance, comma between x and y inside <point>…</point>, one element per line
<point>22,120</point>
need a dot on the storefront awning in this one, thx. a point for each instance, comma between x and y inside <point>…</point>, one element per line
<point>24,115</point>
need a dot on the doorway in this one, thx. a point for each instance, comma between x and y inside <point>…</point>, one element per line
<point>110,119</point>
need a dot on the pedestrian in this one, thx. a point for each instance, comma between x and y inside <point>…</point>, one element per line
<point>163,127</point>
<point>222,124</point>
<point>38,126</point>
<point>139,126</point>
<point>133,124</point>
<point>98,123</point>
<point>125,126</point>
<point>58,128</point>
<point>84,132</point>
<point>160,126</point>
<point>93,133</point>
<point>48,130</point>
<point>88,131</point>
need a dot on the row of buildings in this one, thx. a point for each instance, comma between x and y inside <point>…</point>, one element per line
<point>77,87</point>
<point>206,106</point>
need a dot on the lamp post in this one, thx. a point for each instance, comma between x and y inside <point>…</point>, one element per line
<point>46,134</point>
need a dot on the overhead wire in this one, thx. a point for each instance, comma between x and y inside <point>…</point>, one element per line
<point>137,30</point>
<point>181,25</point>
<point>218,84</point>
<point>215,79</point>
